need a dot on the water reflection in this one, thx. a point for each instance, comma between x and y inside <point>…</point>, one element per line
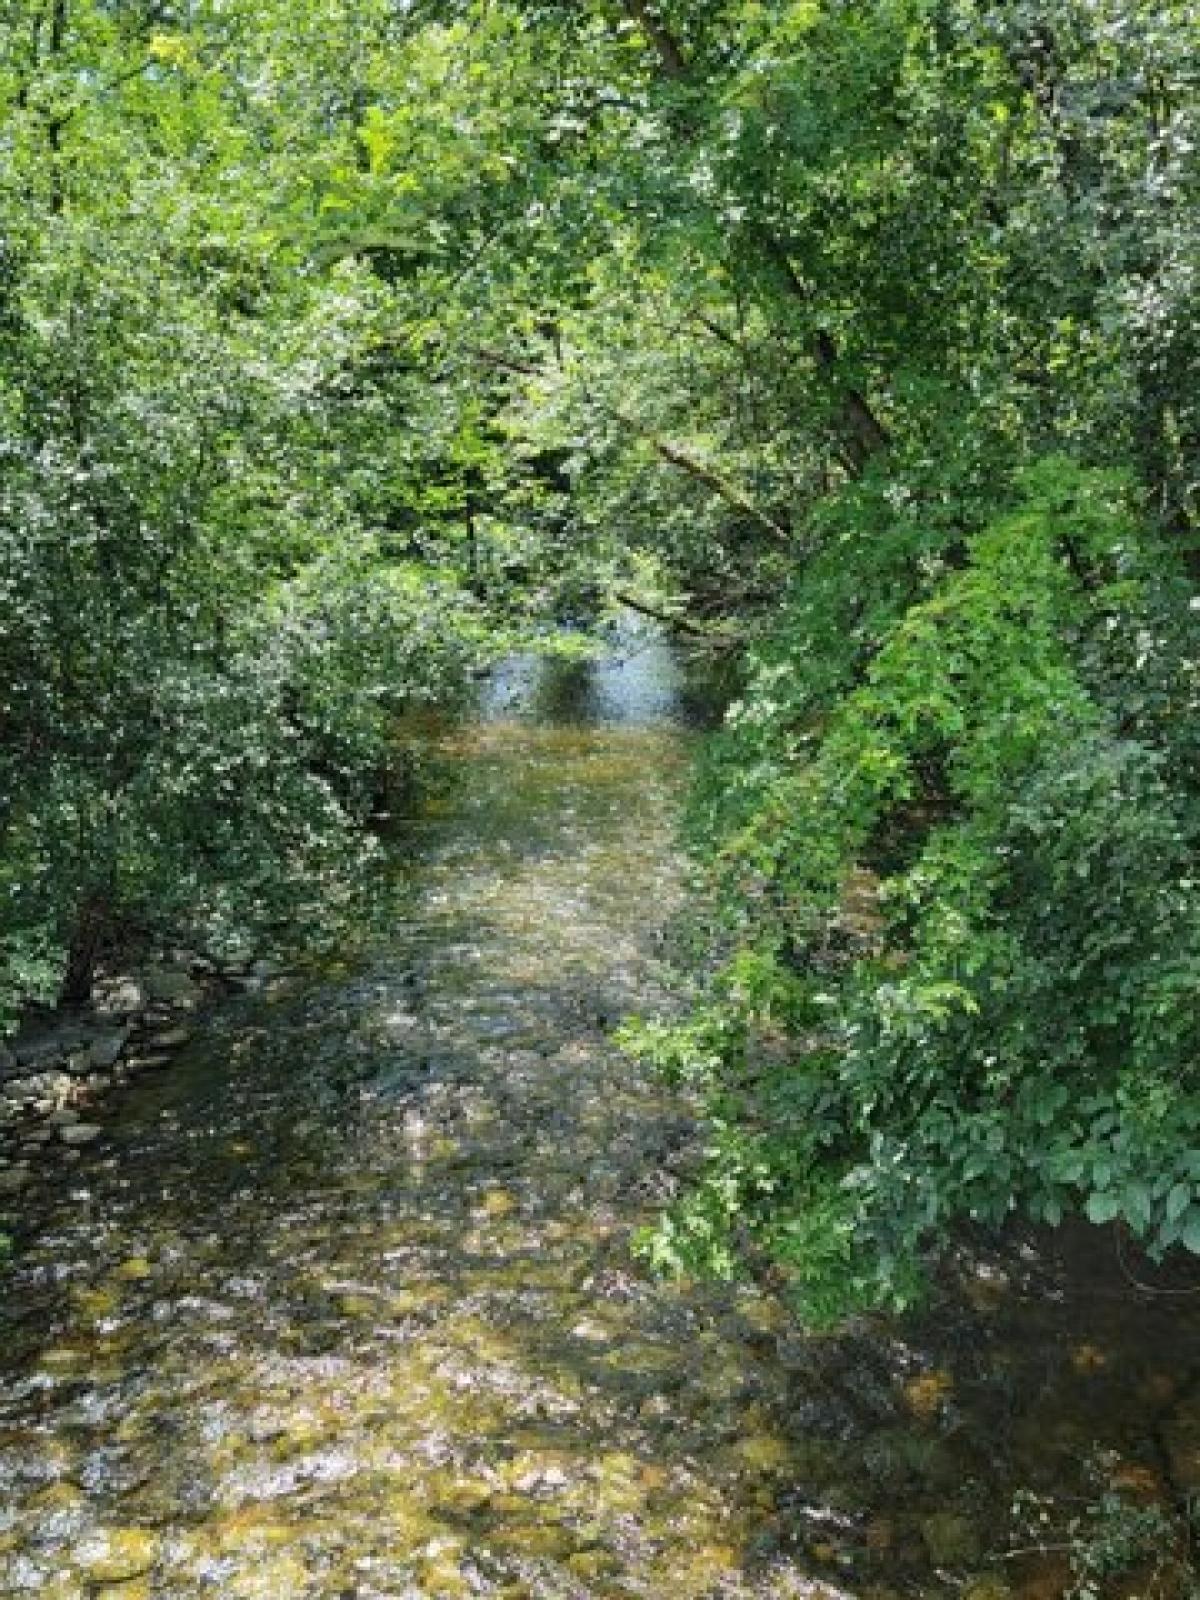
<point>638,681</point>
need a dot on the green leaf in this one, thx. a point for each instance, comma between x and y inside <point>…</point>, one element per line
<point>1178,1201</point>
<point>1103,1207</point>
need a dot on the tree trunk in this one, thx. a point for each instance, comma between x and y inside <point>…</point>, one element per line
<point>88,938</point>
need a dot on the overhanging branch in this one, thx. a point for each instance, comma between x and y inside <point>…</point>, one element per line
<point>673,454</point>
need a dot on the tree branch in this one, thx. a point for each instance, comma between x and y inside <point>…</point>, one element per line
<point>670,56</point>
<point>694,630</point>
<point>863,434</point>
<point>674,455</point>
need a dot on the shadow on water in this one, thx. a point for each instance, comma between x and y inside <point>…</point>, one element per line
<point>346,1308</point>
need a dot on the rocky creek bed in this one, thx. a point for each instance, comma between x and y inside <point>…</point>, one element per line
<point>57,1072</point>
<point>343,1307</point>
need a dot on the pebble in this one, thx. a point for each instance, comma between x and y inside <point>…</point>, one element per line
<point>591,1332</point>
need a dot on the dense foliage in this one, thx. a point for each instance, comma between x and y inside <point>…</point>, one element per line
<point>205,635</point>
<point>953,823</point>
<point>863,335</point>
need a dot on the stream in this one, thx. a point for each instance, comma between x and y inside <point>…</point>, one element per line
<point>344,1306</point>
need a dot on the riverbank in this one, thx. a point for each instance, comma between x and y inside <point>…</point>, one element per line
<point>59,1071</point>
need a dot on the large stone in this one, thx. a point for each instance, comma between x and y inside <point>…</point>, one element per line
<point>174,989</point>
<point>106,1050</point>
<point>82,1133</point>
<point>64,1117</point>
<point>13,1180</point>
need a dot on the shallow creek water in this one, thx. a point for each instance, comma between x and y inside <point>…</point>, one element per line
<point>344,1308</point>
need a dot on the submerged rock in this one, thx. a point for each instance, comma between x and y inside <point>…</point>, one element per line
<point>136,1270</point>
<point>117,1556</point>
